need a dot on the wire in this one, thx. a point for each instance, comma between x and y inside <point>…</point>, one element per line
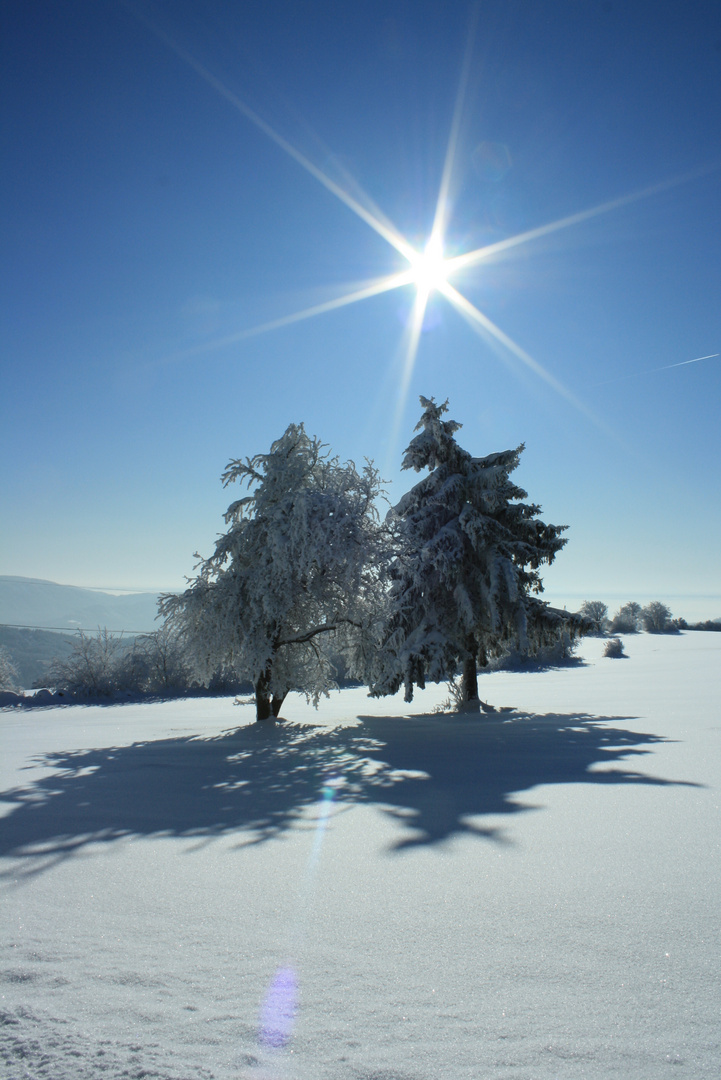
<point>72,629</point>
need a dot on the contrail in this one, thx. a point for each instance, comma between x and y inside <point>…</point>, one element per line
<point>651,371</point>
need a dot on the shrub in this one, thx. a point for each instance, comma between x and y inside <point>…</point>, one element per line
<point>91,670</point>
<point>614,649</point>
<point>157,663</point>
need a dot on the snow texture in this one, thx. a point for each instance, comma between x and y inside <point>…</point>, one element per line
<point>371,891</point>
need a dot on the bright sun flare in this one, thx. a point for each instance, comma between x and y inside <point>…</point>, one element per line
<point>429,268</point>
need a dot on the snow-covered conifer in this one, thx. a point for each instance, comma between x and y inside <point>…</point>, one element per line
<point>465,579</point>
<point>295,575</point>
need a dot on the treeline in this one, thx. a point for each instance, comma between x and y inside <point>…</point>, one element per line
<point>631,618</point>
<point>151,665</point>
<point>103,666</point>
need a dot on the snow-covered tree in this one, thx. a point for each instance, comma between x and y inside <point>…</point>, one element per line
<point>296,574</point>
<point>465,579</point>
<point>8,672</point>
<point>625,621</point>
<point>597,612</point>
<point>657,619</point>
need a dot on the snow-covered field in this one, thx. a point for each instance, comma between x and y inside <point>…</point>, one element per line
<point>532,895</point>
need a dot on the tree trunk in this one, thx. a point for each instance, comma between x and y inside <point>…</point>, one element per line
<point>267,707</point>
<point>470,680</point>
<point>262,696</point>
<point>277,702</point>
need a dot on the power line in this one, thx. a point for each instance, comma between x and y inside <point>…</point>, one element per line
<point>72,629</point>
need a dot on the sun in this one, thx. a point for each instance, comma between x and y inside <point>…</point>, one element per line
<point>429,268</point>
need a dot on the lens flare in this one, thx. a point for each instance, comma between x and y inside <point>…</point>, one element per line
<point>429,268</point>
<point>279,1008</point>
<point>277,1014</point>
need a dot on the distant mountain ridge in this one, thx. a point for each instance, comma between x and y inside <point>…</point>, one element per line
<point>48,605</point>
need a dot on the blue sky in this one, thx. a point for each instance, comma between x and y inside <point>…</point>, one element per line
<point>152,214</point>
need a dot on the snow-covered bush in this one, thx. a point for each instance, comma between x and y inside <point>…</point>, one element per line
<point>560,652</point>
<point>156,663</point>
<point>614,648</point>
<point>104,666</point>
<point>298,573</point>
<point>465,573</point>
<point>625,621</point>
<point>656,619</point>
<point>92,668</point>
<point>8,672</point>
<point>597,612</point>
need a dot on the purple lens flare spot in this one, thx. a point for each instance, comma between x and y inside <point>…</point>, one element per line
<point>277,1014</point>
<point>491,160</point>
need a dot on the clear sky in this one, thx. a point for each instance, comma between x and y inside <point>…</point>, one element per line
<point>178,174</point>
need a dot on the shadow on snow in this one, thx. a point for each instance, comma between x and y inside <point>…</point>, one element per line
<point>431,773</point>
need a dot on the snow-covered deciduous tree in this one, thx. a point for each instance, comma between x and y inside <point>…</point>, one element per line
<point>465,578</point>
<point>8,672</point>
<point>597,612</point>
<point>656,618</point>
<point>296,575</point>
<point>625,621</point>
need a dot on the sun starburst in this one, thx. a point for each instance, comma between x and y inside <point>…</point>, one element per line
<point>428,268</point>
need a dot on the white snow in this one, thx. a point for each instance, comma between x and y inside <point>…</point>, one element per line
<point>529,895</point>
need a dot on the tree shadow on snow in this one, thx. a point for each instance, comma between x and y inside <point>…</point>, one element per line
<point>431,773</point>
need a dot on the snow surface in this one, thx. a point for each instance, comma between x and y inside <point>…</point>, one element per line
<point>526,895</point>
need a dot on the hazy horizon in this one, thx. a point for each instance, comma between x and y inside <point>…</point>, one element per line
<point>694,607</point>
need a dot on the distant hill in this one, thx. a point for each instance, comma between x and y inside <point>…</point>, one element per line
<point>45,604</point>
<point>32,652</point>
